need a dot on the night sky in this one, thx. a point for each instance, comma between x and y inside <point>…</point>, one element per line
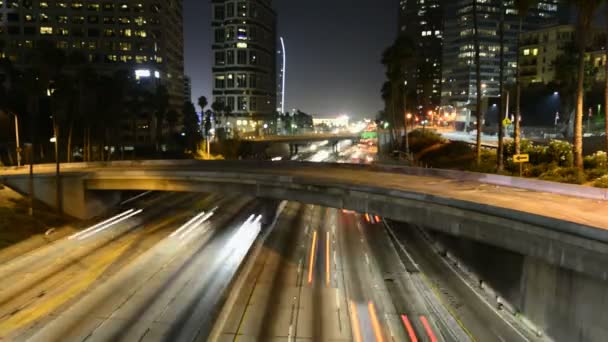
<point>333,52</point>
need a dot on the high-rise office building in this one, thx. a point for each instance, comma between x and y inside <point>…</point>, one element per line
<point>458,74</point>
<point>422,22</point>
<point>244,70</point>
<point>144,37</point>
<point>187,88</point>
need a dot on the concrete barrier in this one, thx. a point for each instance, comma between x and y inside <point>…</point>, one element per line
<point>506,181</point>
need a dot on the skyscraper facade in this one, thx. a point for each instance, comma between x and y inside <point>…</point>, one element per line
<point>422,22</point>
<point>458,74</point>
<point>143,36</point>
<point>244,70</point>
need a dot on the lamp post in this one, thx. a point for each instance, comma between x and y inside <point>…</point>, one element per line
<point>18,148</point>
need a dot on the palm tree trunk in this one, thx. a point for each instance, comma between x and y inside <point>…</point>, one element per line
<point>517,123</point>
<point>500,152</point>
<point>89,148</point>
<point>580,91</point>
<point>606,88</point>
<point>478,77</point>
<point>69,147</point>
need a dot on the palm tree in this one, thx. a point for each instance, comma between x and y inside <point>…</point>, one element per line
<point>396,59</point>
<point>606,84</point>
<point>202,102</point>
<point>586,13</point>
<point>501,112</point>
<point>161,104</point>
<point>478,78</point>
<point>523,7</point>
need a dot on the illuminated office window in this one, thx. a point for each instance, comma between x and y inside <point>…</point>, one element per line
<point>45,30</point>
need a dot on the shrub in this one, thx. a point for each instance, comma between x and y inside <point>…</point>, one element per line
<point>564,175</point>
<point>487,165</point>
<point>538,170</point>
<point>601,182</point>
<point>455,154</point>
<point>593,174</point>
<point>422,139</point>
<point>560,152</point>
<point>597,160</point>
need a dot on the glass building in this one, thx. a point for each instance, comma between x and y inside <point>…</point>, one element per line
<point>458,74</point>
<point>145,36</point>
<point>244,69</point>
<point>422,22</point>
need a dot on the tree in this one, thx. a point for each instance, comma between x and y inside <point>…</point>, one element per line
<point>219,110</point>
<point>207,123</point>
<point>565,66</point>
<point>606,85</point>
<point>191,126</point>
<point>523,7</point>
<point>586,12</point>
<point>202,102</point>
<point>161,105</point>
<point>478,78</point>
<point>501,113</point>
<point>396,59</point>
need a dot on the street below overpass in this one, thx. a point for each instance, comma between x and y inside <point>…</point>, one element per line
<point>331,275</point>
<point>165,266</point>
<point>155,271</point>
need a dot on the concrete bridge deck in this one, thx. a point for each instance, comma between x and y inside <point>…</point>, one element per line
<point>566,230</point>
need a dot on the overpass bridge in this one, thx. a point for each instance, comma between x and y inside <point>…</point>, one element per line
<point>548,242</point>
<point>564,225</point>
<point>296,141</point>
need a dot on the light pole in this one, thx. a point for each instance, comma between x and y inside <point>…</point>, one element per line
<point>55,139</point>
<point>408,117</point>
<point>407,139</point>
<point>18,148</point>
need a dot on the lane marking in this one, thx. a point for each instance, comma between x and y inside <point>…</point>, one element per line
<point>312,256</point>
<point>428,329</point>
<point>300,266</point>
<point>327,262</point>
<point>409,328</point>
<point>355,322</point>
<point>366,258</point>
<point>375,322</point>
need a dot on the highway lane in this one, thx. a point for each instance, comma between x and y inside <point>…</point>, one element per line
<point>326,275</point>
<point>46,280</point>
<point>171,292</point>
<point>286,294</point>
<point>93,285</point>
<point>482,321</point>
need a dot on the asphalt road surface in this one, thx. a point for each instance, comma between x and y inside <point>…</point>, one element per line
<point>329,275</point>
<point>155,271</point>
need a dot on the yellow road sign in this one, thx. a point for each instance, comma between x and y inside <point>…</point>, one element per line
<point>506,122</point>
<point>521,158</point>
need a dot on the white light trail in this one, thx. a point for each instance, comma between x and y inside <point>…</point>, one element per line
<point>109,225</point>
<point>101,224</point>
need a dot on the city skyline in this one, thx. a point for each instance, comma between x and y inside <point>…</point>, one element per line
<point>355,77</point>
